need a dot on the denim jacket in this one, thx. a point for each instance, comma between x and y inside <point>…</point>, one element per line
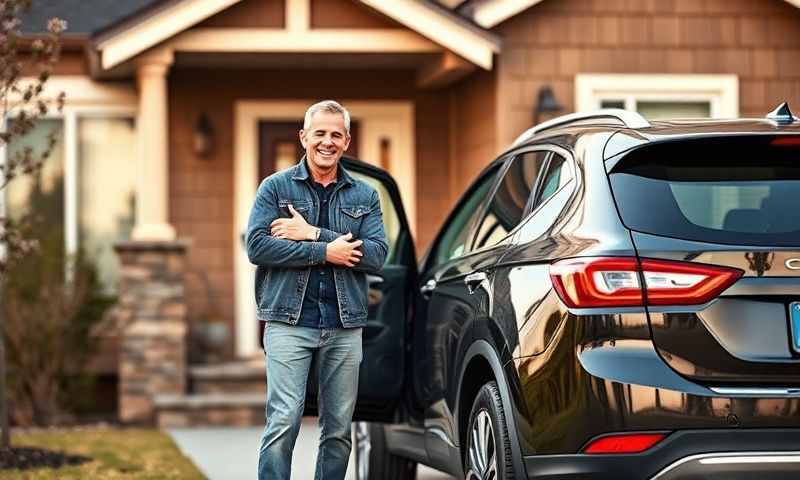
<point>283,266</point>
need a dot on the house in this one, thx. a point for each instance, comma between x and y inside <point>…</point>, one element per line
<point>180,107</point>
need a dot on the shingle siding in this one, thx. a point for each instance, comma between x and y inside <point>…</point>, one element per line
<point>553,41</point>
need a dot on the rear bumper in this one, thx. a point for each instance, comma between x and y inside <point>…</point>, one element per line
<point>686,455</point>
<point>733,465</point>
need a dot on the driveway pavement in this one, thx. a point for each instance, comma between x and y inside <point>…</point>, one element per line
<point>232,453</point>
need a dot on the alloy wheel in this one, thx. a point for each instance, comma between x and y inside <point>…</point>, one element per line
<point>482,464</point>
<point>363,447</point>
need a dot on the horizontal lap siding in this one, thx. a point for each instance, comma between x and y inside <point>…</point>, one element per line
<point>758,40</point>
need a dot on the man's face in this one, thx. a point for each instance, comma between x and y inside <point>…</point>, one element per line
<point>325,140</point>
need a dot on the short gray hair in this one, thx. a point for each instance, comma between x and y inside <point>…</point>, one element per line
<point>328,106</point>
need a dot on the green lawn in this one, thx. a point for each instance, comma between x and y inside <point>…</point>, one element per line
<point>117,453</point>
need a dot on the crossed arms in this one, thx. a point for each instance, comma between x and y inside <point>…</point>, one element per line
<point>273,241</point>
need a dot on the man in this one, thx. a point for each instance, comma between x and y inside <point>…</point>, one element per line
<point>314,233</point>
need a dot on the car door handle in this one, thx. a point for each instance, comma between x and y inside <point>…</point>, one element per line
<point>373,280</point>
<point>427,289</point>
<point>473,280</point>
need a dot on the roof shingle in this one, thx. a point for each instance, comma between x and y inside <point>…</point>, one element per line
<point>84,17</point>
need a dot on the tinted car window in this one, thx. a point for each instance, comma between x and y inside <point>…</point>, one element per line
<point>733,190</point>
<point>508,204</point>
<point>391,219</point>
<point>558,174</point>
<point>454,238</point>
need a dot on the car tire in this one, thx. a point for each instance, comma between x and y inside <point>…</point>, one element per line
<point>488,452</point>
<point>373,460</point>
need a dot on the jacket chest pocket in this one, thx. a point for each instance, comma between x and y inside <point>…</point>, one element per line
<point>352,217</point>
<point>303,207</point>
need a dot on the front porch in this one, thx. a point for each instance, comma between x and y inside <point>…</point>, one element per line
<point>247,70</point>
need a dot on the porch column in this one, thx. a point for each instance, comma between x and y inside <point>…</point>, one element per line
<point>152,186</point>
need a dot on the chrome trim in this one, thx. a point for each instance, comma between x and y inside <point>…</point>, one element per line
<point>793,264</point>
<point>732,458</point>
<point>628,118</point>
<point>757,392</point>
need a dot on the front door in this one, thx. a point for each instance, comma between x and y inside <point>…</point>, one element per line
<point>279,145</point>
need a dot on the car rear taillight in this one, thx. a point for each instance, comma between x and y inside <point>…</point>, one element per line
<point>624,443</point>
<point>617,281</point>
<point>788,141</point>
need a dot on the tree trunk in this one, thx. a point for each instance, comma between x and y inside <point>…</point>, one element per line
<point>5,442</point>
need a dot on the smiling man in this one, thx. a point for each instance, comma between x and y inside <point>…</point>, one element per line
<point>314,233</point>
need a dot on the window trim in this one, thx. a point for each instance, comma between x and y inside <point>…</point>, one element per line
<point>529,208</point>
<point>429,258</point>
<point>721,91</point>
<point>84,99</point>
<point>526,213</point>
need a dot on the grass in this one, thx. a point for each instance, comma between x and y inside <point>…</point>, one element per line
<point>124,453</point>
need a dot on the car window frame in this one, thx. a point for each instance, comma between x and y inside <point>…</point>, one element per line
<point>425,264</point>
<point>573,184</point>
<point>509,157</point>
<point>568,160</point>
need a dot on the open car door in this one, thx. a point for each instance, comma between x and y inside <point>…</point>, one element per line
<point>381,377</point>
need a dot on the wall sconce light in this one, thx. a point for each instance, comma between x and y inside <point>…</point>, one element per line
<point>545,103</point>
<point>203,138</point>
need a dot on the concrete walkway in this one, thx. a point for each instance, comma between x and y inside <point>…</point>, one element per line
<point>232,453</point>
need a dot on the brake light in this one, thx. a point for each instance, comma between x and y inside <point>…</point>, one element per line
<point>616,281</point>
<point>624,443</point>
<point>788,141</point>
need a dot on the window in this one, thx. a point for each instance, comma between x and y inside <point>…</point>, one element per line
<point>106,180</point>
<point>453,239</point>
<point>660,96</point>
<point>508,204</point>
<point>558,175</point>
<point>732,190</point>
<point>35,190</point>
<point>391,220</point>
<point>87,185</point>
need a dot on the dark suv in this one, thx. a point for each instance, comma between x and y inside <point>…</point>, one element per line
<point>612,298</point>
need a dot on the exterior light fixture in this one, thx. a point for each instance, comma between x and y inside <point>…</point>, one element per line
<point>203,138</point>
<point>545,103</point>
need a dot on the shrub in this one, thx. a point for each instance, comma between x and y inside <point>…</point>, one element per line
<point>52,303</point>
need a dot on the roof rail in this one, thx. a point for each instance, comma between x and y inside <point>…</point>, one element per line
<point>628,118</point>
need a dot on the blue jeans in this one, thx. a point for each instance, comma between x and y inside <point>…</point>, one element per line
<point>290,349</point>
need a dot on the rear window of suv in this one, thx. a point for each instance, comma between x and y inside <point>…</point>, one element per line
<point>731,190</point>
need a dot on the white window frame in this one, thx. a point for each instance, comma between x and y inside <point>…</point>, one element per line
<point>84,98</point>
<point>720,91</point>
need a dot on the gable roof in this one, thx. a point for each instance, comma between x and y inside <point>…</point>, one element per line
<point>163,20</point>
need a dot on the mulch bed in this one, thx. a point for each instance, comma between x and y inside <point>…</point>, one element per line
<point>30,457</point>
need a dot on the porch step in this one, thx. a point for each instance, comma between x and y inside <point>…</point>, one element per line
<point>240,409</point>
<point>245,376</point>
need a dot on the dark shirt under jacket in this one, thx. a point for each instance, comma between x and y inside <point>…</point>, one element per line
<point>320,305</point>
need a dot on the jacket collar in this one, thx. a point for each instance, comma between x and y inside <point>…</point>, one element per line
<point>302,174</point>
